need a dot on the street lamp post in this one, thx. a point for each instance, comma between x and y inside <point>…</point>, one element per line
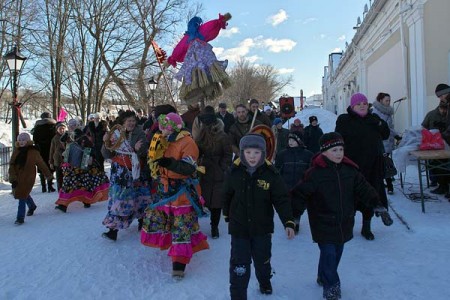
<point>14,60</point>
<point>153,84</point>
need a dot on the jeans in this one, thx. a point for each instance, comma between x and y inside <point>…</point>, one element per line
<point>22,203</point>
<point>330,256</point>
<point>243,250</point>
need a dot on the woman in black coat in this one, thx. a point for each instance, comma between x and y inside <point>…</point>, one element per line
<point>363,134</point>
<point>215,156</point>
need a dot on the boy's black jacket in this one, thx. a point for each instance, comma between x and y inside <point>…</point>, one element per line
<point>329,191</point>
<point>248,200</point>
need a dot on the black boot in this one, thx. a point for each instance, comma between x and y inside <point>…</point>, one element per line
<point>43,183</point>
<point>19,221</point>
<point>140,224</point>
<point>215,219</point>
<point>215,232</point>
<point>389,185</point>
<point>265,288</point>
<point>111,234</point>
<point>366,232</point>
<point>61,208</point>
<point>178,270</point>
<point>50,187</point>
<point>31,211</point>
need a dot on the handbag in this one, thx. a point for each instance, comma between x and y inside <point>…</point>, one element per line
<point>389,167</point>
<point>431,140</point>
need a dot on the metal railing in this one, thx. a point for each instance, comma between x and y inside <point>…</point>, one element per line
<point>5,156</point>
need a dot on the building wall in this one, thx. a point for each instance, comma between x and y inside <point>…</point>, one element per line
<point>402,48</point>
<point>437,47</point>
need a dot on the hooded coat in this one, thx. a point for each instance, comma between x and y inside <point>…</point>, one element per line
<point>216,160</point>
<point>22,169</point>
<point>43,133</point>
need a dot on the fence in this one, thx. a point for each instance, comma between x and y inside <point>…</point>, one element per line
<point>5,155</point>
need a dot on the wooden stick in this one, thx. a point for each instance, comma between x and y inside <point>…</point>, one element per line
<point>163,74</point>
<point>253,121</point>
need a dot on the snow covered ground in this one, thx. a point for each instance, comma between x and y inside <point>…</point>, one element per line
<point>63,256</point>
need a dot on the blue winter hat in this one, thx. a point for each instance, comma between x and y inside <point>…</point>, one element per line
<point>277,121</point>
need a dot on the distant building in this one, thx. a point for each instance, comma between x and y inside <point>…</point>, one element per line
<point>401,48</point>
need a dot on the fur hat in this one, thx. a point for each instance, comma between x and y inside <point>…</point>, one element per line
<point>330,140</point>
<point>24,136</point>
<point>59,124</point>
<point>252,140</point>
<point>73,123</point>
<point>312,119</point>
<point>207,118</point>
<point>296,136</point>
<point>164,109</point>
<point>46,115</point>
<point>442,89</point>
<point>171,122</point>
<point>357,99</point>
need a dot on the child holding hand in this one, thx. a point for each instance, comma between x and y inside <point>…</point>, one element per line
<point>251,189</point>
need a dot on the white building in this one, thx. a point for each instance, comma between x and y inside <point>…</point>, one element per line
<point>401,48</point>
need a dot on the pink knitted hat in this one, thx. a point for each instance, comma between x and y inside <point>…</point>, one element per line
<point>357,99</point>
<point>171,121</point>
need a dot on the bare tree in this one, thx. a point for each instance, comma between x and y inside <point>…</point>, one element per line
<point>250,81</point>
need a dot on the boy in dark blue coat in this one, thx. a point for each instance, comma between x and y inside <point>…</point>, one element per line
<point>251,189</point>
<point>292,164</point>
<point>331,188</point>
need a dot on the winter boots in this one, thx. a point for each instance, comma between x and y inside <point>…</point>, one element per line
<point>111,234</point>
<point>265,288</point>
<point>366,232</point>
<point>31,211</point>
<point>215,219</point>
<point>61,208</point>
<point>390,186</point>
<point>215,232</point>
<point>178,270</point>
<point>47,185</point>
<point>140,224</point>
<point>385,217</point>
<point>19,221</point>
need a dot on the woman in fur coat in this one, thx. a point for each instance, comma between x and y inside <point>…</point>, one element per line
<point>215,156</point>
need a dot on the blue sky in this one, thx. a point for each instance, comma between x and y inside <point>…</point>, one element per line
<point>294,36</point>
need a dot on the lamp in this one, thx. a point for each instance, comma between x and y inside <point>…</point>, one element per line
<point>153,84</point>
<point>14,60</point>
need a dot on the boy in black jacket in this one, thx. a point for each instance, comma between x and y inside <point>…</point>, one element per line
<point>251,189</point>
<point>330,189</point>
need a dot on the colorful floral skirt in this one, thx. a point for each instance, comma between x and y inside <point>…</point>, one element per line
<point>202,75</point>
<point>87,186</point>
<point>128,198</point>
<point>174,226</point>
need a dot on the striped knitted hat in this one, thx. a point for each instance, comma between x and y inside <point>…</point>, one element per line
<point>330,140</point>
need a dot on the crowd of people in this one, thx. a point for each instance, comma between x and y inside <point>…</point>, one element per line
<point>167,170</point>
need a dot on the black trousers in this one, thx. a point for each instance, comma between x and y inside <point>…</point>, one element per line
<point>243,251</point>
